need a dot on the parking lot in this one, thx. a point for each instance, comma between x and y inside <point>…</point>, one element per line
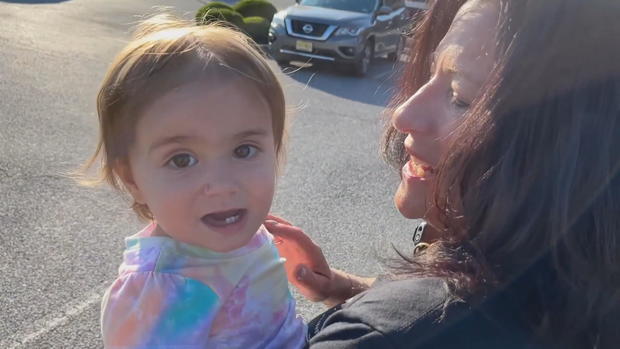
<point>60,244</point>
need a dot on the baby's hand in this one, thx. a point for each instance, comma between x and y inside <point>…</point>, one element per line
<point>306,266</point>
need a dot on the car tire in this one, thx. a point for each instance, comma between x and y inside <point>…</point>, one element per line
<point>395,56</point>
<point>360,68</point>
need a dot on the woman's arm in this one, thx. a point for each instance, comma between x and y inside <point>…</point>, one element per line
<point>307,268</point>
<point>345,286</point>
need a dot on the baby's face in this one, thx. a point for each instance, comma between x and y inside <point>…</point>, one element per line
<point>204,162</point>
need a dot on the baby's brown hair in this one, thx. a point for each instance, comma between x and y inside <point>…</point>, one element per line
<point>165,53</point>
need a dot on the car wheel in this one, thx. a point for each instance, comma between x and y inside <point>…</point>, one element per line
<point>395,56</point>
<point>361,66</point>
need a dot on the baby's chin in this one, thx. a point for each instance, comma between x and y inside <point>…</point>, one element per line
<point>210,240</point>
<point>224,244</point>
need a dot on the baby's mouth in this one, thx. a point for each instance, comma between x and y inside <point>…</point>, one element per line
<point>224,218</point>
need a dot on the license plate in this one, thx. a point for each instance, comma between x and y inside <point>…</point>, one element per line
<point>305,46</point>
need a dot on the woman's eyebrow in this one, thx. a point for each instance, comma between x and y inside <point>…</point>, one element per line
<point>445,57</point>
<point>433,60</point>
<point>449,59</point>
<point>465,76</point>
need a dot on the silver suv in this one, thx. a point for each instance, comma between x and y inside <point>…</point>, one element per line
<point>340,31</point>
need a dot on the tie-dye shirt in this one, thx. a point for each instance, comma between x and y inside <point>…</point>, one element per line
<point>174,295</point>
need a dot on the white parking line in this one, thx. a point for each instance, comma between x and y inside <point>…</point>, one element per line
<point>44,326</point>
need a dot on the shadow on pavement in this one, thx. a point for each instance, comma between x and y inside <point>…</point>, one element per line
<point>33,2</point>
<point>375,88</point>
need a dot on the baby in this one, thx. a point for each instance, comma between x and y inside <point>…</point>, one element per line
<point>192,125</point>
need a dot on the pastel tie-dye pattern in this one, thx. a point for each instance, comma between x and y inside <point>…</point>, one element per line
<point>174,295</point>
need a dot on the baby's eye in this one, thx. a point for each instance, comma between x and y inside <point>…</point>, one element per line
<point>245,151</point>
<point>182,161</point>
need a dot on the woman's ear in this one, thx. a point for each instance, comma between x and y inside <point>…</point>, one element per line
<point>123,171</point>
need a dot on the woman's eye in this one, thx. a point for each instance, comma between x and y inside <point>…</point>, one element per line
<point>245,151</point>
<point>182,161</point>
<point>458,103</point>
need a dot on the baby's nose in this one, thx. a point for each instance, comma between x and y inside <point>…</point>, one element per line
<point>219,183</point>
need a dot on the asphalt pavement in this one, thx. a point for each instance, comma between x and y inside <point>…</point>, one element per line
<point>60,244</point>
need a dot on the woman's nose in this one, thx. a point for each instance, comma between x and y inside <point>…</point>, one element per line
<point>419,113</point>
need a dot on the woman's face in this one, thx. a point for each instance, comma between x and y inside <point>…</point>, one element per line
<point>460,66</point>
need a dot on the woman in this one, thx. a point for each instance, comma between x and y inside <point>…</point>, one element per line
<point>526,188</point>
<point>472,26</point>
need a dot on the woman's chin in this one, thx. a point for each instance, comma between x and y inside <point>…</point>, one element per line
<point>410,199</point>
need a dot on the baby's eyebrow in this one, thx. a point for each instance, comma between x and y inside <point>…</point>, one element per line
<point>187,138</point>
<point>251,133</point>
<point>168,140</point>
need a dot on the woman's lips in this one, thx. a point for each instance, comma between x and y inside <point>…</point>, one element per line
<point>417,171</point>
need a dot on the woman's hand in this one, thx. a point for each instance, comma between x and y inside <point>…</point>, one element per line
<point>307,268</point>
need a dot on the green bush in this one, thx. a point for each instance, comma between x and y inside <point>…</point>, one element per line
<point>252,16</point>
<point>256,8</point>
<point>221,14</point>
<point>218,4</point>
<point>257,28</point>
<point>215,4</point>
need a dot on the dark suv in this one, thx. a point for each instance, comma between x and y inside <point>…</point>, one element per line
<point>352,32</point>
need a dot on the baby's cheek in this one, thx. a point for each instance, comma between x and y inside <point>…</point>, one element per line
<point>262,186</point>
<point>170,201</point>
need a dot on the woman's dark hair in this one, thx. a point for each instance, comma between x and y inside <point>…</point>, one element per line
<point>426,35</point>
<point>528,194</point>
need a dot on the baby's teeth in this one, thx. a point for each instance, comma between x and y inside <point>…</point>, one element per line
<point>232,219</point>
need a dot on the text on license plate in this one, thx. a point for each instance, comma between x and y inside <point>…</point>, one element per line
<point>305,46</point>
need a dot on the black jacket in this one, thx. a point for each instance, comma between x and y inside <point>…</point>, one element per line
<point>420,313</point>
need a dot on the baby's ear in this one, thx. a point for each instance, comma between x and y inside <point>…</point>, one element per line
<point>123,171</point>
